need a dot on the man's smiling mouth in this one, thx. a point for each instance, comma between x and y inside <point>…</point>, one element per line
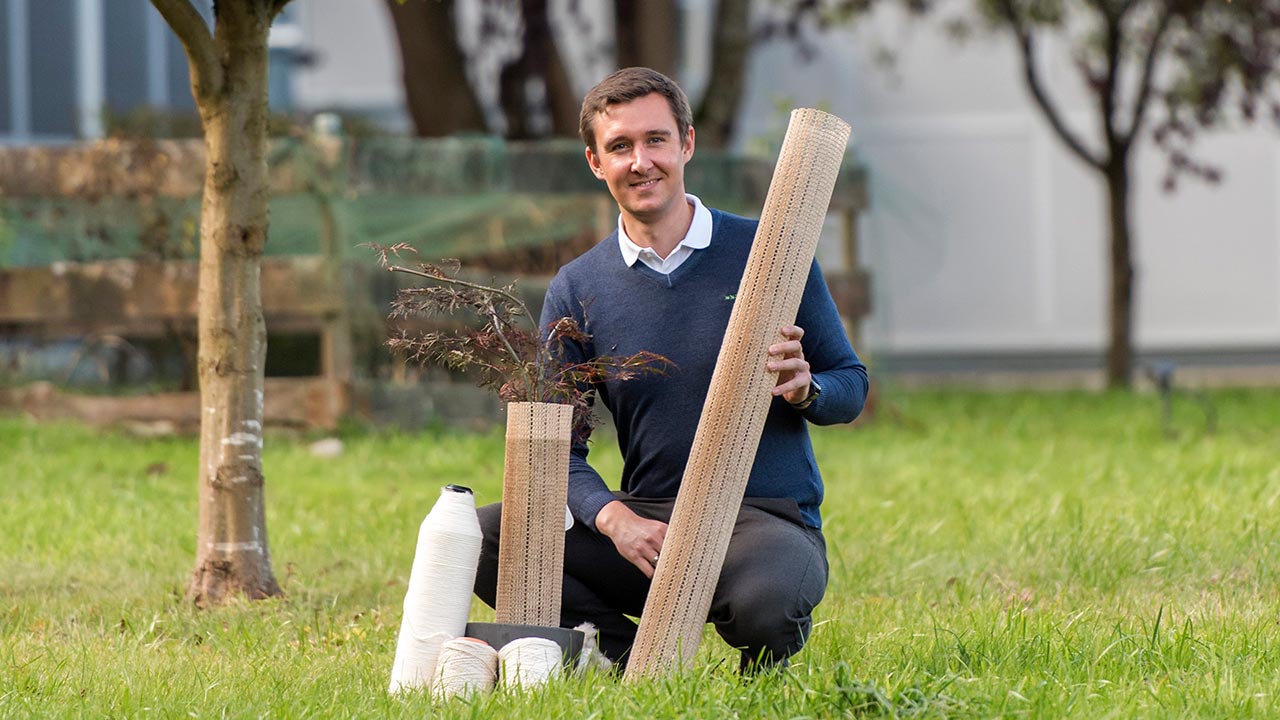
<point>645,183</point>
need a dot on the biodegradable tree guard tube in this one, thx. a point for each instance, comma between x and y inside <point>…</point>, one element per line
<point>535,483</point>
<point>728,434</point>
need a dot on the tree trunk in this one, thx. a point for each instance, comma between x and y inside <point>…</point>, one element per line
<point>1120,347</point>
<point>647,34</point>
<point>730,49</point>
<point>232,555</point>
<point>563,101</point>
<point>539,61</point>
<point>441,101</point>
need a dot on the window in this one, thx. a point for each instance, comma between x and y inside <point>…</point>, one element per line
<point>53,67</point>
<point>6,104</point>
<point>125,47</point>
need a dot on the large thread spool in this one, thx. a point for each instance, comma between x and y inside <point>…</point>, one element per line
<point>728,434</point>
<point>440,585</point>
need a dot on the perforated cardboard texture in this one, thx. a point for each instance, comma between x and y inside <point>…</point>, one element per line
<point>535,482</point>
<point>733,416</point>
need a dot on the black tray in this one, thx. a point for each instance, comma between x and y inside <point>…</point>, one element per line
<point>499,634</point>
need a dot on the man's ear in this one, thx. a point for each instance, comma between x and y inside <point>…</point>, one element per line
<point>687,149</point>
<point>594,162</point>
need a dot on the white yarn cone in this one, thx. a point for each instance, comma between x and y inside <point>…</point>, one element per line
<point>439,596</point>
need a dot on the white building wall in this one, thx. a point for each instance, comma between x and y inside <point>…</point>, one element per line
<point>358,62</point>
<point>986,235</point>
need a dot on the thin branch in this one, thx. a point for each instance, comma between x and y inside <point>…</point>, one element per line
<point>474,286</point>
<point>1026,44</point>
<point>497,329</point>
<point>1147,82</point>
<point>189,26</point>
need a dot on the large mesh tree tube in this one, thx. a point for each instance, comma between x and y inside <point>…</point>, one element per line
<point>535,482</point>
<point>733,416</point>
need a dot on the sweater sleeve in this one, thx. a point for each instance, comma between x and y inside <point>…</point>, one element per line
<point>588,492</point>
<point>832,361</point>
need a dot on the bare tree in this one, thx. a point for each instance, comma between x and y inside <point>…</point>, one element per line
<point>229,82</point>
<point>731,42</point>
<point>440,99</point>
<point>645,32</point>
<point>538,63</point>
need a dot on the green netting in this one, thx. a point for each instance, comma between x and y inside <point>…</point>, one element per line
<point>36,232</point>
<point>456,197</point>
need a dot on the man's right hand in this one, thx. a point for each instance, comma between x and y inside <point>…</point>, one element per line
<point>637,539</point>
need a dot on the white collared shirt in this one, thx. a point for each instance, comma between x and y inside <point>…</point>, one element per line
<point>698,237</point>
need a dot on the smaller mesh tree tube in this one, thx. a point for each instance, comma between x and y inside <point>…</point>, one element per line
<point>535,484</point>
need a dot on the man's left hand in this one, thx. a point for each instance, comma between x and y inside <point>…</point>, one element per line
<point>787,359</point>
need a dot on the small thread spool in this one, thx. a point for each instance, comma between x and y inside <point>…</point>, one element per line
<point>465,667</point>
<point>530,662</point>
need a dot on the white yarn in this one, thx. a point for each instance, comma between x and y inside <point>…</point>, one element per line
<point>439,595</point>
<point>530,662</point>
<point>466,666</point>
<point>591,659</point>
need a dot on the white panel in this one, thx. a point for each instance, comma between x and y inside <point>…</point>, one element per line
<point>90,67</point>
<point>848,76</point>
<point>954,237</point>
<point>1079,251</point>
<point>358,63</point>
<point>1207,253</point>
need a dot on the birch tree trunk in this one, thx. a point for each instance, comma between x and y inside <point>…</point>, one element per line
<point>229,82</point>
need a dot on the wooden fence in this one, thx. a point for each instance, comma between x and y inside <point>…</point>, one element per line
<point>89,235</point>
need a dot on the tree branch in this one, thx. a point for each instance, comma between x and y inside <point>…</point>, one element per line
<point>1026,45</point>
<point>206,71</point>
<point>1147,82</point>
<point>1112,47</point>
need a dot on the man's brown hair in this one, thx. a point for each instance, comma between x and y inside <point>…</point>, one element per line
<point>625,85</point>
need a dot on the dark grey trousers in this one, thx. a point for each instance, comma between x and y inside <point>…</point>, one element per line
<point>774,574</point>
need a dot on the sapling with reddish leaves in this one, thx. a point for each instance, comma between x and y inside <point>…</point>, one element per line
<point>505,350</point>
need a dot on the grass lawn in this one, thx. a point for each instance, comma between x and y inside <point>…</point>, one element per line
<point>993,555</point>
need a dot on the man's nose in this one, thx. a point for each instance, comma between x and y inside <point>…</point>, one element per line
<point>640,162</point>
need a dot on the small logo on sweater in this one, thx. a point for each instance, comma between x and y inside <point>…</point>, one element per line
<point>730,297</point>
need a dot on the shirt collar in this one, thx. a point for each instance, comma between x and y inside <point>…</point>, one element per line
<point>698,237</point>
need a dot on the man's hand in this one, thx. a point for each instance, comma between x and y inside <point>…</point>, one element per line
<point>637,539</point>
<point>787,359</point>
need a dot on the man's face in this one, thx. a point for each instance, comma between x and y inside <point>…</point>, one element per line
<point>640,156</point>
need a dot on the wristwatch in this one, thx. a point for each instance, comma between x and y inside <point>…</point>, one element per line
<point>814,391</point>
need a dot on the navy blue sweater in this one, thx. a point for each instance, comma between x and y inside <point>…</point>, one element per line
<point>683,316</point>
